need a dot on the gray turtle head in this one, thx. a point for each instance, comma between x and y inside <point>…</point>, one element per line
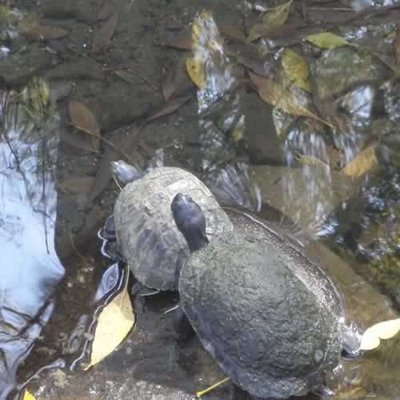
<point>190,220</point>
<point>124,172</point>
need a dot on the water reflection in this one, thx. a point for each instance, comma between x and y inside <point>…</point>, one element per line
<point>29,266</point>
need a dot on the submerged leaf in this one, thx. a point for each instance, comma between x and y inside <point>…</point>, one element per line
<point>296,69</point>
<point>271,21</point>
<point>363,162</point>
<point>327,40</point>
<point>84,120</point>
<point>277,16</point>
<point>102,36</point>
<point>114,323</point>
<point>169,107</point>
<point>285,97</point>
<point>35,31</point>
<point>77,184</point>
<point>28,396</point>
<point>371,338</point>
<point>195,70</point>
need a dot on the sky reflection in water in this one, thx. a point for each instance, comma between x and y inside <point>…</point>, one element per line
<point>29,266</point>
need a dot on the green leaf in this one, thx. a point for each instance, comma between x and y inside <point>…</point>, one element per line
<point>327,40</point>
<point>277,16</point>
<point>296,69</point>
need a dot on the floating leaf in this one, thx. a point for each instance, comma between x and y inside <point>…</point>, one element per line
<point>284,96</point>
<point>84,120</point>
<point>327,40</point>
<point>114,323</point>
<point>372,337</point>
<point>296,69</point>
<point>271,20</point>
<point>28,396</point>
<point>195,70</point>
<point>364,161</point>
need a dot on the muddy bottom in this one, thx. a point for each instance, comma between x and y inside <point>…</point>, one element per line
<point>119,59</point>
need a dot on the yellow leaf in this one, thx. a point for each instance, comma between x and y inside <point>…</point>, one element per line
<point>296,69</point>
<point>284,96</point>
<point>195,70</point>
<point>382,330</point>
<point>277,16</point>
<point>28,396</point>
<point>364,161</point>
<point>327,40</point>
<point>114,323</point>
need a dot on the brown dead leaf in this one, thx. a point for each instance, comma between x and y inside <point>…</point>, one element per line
<point>231,32</point>
<point>84,120</point>
<point>179,41</point>
<point>106,10</point>
<point>284,96</point>
<point>102,36</point>
<point>169,107</point>
<point>126,76</point>
<point>34,31</point>
<point>114,323</point>
<point>77,184</point>
<point>363,162</point>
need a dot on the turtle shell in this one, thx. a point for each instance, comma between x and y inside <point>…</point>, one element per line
<point>147,236</point>
<point>269,315</point>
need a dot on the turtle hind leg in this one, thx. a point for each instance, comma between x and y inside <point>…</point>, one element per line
<point>182,328</point>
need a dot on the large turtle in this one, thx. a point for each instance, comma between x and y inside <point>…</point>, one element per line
<point>147,237</point>
<point>269,315</point>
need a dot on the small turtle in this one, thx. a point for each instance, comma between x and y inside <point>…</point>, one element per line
<point>146,235</point>
<point>270,316</point>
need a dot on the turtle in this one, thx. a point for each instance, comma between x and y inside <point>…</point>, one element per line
<point>268,314</point>
<point>142,227</point>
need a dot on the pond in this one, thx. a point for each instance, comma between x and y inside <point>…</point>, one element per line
<point>287,109</point>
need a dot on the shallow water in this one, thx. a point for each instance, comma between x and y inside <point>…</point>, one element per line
<point>120,60</point>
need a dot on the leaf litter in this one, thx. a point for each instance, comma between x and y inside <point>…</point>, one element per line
<point>287,89</point>
<point>114,323</point>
